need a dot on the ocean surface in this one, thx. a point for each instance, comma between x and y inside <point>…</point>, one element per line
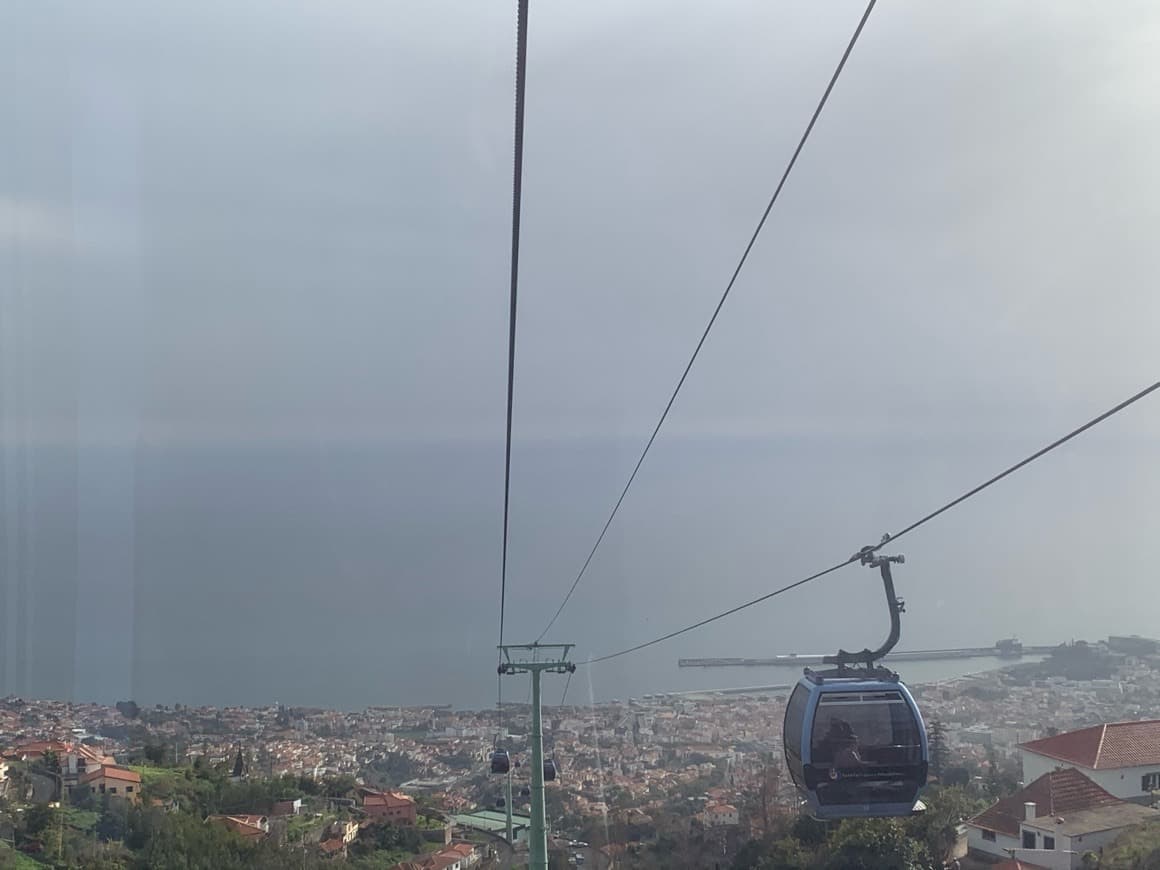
<point>340,577</point>
<point>712,679</point>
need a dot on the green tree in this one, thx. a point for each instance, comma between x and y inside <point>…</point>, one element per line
<point>956,776</point>
<point>1002,779</point>
<point>181,840</point>
<point>874,844</point>
<point>782,853</point>
<point>128,709</point>
<point>809,831</point>
<point>937,828</point>
<point>113,821</point>
<point>750,855</point>
<point>385,837</point>
<point>1138,848</point>
<point>156,753</point>
<point>36,818</point>
<point>339,785</point>
<point>937,737</point>
<point>239,765</point>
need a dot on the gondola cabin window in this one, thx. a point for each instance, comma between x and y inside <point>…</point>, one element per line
<point>860,729</point>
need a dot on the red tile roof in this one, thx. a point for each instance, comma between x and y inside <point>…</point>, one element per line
<point>1054,794</point>
<point>107,772</point>
<point>247,826</point>
<point>91,754</point>
<point>1101,747</point>
<point>391,799</point>
<point>39,747</point>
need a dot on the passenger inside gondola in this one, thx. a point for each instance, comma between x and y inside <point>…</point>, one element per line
<point>841,745</point>
<point>871,753</point>
<point>847,756</point>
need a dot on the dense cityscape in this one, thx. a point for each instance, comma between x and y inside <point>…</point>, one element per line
<point>676,780</point>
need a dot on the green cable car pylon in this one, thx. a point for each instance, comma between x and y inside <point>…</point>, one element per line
<point>536,659</point>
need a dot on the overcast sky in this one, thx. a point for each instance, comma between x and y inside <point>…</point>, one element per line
<point>253,310</point>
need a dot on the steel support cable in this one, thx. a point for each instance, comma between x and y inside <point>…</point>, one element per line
<point>716,311</point>
<point>567,685</point>
<point>891,538</point>
<point>1095,421</point>
<point>517,189</point>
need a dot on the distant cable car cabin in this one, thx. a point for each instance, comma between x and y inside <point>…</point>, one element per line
<point>525,792</point>
<point>855,743</point>
<point>500,761</point>
<point>550,770</point>
<point>500,803</point>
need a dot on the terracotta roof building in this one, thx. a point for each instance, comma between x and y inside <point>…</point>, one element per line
<point>32,749</point>
<point>390,806</point>
<point>248,826</point>
<point>1061,811</point>
<point>1057,793</point>
<point>1113,745</point>
<point>1121,757</point>
<point>110,780</point>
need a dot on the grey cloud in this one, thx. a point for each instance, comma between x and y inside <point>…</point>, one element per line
<point>263,248</point>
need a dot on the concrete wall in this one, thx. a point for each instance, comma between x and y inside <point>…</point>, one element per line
<point>999,848</point>
<point>1075,846</point>
<point>1052,860</point>
<point>437,835</point>
<point>1094,842</point>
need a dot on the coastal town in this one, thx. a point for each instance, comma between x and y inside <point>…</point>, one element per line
<point>630,772</point>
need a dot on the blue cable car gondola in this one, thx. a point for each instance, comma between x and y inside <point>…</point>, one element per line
<point>855,743</point>
<point>550,770</point>
<point>500,761</point>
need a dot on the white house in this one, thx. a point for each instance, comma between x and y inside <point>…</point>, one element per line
<point>1054,821</point>
<point>720,816</point>
<point>1123,758</point>
<point>78,760</point>
<point>1086,830</point>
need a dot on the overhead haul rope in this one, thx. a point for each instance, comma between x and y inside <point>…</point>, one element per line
<point>891,538</point>
<point>720,304</point>
<point>517,188</point>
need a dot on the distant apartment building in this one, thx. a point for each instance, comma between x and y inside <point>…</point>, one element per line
<point>720,816</point>
<point>1134,645</point>
<point>459,856</point>
<point>389,806</point>
<point>75,759</point>
<point>343,829</point>
<point>1123,758</point>
<point>34,750</point>
<point>115,781</point>
<point>287,808</point>
<point>78,760</point>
